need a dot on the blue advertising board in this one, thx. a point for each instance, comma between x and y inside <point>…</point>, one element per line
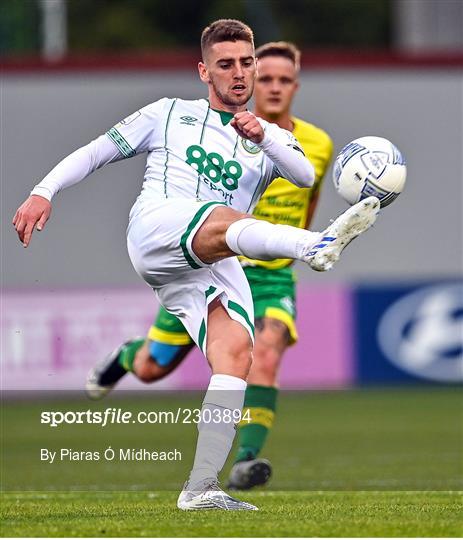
<point>409,333</point>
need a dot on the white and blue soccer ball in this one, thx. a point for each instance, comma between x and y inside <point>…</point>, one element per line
<point>369,166</point>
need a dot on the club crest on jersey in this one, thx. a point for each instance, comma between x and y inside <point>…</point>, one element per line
<point>250,147</point>
<point>188,120</point>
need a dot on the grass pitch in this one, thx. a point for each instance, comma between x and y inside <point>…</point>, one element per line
<point>286,514</point>
<point>355,463</point>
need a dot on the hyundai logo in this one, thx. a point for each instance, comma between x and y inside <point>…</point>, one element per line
<point>422,333</point>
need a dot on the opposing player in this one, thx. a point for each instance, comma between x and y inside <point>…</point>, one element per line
<point>272,282</point>
<point>191,220</point>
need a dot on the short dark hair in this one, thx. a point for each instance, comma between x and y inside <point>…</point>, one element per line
<point>284,49</point>
<point>225,30</point>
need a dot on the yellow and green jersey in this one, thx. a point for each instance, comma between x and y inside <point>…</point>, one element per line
<point>285,203</point>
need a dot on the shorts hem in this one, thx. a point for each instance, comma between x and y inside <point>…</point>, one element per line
<point>187,237</point>
<point>235,312</point>
<point>284,317</point>
<point>169,338</point>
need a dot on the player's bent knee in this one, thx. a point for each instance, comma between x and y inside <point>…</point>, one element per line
<point>209,243</point>
<point>239,348</point>
<point>221,218</point>
<point>231,357</point>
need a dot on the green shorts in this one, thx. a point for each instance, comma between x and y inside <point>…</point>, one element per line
<point>274,295</point>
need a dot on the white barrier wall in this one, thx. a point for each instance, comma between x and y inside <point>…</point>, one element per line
<point>46,116</point>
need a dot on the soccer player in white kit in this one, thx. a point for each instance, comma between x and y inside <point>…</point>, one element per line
<point>208,163</point>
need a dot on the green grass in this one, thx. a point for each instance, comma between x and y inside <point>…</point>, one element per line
<point>382,462</point>
<point>287,514</point>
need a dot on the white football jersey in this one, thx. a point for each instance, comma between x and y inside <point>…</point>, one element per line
<point>194,152</point>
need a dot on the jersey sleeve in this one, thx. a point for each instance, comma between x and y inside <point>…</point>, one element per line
<point>135,134</point>
<point>286,157</point>
<point>286,138</point>
<point>77,166</point>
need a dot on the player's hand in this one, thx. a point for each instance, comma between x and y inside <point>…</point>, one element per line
<point>34,212</point>
<point>248,127</point>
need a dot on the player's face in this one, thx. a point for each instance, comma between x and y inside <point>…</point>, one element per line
<point>230,71</point>
<point>276,85</point>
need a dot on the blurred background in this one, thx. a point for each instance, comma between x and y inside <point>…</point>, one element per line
<point>390,312</point>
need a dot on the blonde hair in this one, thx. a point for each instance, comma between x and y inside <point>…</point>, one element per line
<point>284,49</point>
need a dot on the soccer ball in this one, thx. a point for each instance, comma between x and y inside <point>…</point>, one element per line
<point>369,166</point>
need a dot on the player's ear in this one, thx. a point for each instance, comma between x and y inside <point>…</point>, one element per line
<point>203,72</point>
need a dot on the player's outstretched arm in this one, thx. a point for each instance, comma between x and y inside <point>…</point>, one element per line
<point>287,156</point>
<point>128,138</point>
<point>33,213</point>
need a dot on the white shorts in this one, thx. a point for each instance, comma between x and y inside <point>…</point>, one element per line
<point>159,241</point>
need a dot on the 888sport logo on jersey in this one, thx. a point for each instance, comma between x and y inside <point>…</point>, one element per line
<point>214,167</point>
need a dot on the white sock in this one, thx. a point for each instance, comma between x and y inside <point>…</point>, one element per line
<point>224,396</point>
<point>265,241</point>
